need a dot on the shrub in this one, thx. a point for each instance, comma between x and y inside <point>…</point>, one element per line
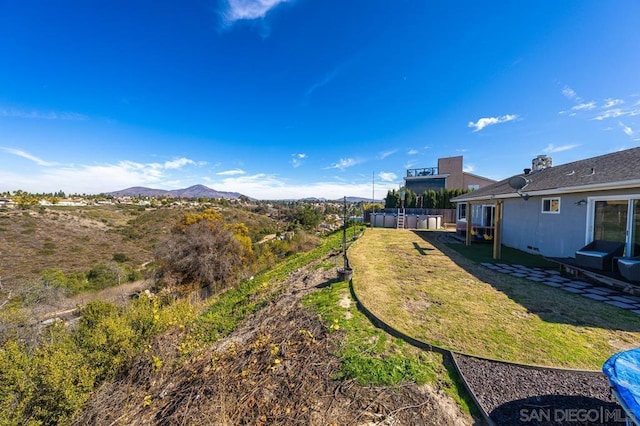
<point>120,257</point>
<point>203,253</point>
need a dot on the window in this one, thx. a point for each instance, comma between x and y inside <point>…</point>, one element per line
<point>473,187</point>
<point>551,205</point>
<point>462,211</point>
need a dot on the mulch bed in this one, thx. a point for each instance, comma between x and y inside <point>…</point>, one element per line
<point>517,395</point>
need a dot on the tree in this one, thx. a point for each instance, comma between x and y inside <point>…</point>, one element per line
<point>392,200</point>
<point>205,253</point>
<point>307,216</point>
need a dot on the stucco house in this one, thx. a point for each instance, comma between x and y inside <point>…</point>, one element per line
<point>449,174</point>
<point>556,210</point>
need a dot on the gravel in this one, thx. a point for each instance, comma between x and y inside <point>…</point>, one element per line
<point>518,395</point>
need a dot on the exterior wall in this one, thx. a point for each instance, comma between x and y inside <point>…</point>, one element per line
<point>526,228</point>
<point>452,166</point>
<point>469,179</point>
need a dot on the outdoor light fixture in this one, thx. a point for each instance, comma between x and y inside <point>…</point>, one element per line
<point>581,202</point>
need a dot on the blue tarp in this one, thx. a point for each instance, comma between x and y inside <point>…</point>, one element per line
<point>623,371</point>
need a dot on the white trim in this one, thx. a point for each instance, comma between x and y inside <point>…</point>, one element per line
<point>550,199</point>
<point>557,191</point>
<point>591,201</point>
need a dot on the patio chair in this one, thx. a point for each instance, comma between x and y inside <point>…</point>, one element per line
<point>598,254</point>
<point>629,268</point>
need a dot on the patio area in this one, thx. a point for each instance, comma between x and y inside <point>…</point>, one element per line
<point>553,278</point>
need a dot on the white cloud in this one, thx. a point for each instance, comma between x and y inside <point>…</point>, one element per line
<point>28,156</point>
<point>232,172</point>
<point>410,164</point>
<point>584,106</point>
<point>89,178</point>
<point>553,149</point>
<point>385,154</point>
<point>271,187</point>
<point>626,129</point>
<point>610,103</point>
<point>568,92</point>
<point>612,113</point>
<point>469,168</point>
<point>178,163</point>
<point>249,9</point>
<point>296,159</point>
<point>41,115</point>
<point>387,176</point>
<point>324,81</point>
<point>413,152</point>
<point>490,121</point>
<point>343,164</point>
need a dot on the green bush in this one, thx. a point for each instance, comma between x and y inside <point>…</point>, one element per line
<point>102,276</point>
<point>120,257</point>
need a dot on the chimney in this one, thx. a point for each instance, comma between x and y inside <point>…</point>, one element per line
<point>527,171</point>
<point>541,162</point>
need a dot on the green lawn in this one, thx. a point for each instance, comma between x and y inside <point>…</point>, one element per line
<point>436,294</point>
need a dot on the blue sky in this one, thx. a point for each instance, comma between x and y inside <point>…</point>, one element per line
<point>288,99</point>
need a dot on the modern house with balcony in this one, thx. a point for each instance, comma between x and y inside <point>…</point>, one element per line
<point>448,174</point>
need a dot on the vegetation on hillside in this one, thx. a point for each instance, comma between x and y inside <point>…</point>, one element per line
<point>48,380</point>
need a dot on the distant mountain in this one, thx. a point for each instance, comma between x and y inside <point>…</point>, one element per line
<point>196,191</point>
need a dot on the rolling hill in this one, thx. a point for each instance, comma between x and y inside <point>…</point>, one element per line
<point>195,191</point>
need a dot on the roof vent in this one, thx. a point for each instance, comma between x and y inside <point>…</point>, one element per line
<point>527,171</point>
<point>541,162</point>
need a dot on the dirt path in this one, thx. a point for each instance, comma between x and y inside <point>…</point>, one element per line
<point>276,368</point>
<point>67,307</point>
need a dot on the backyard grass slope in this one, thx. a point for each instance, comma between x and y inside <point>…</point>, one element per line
<point>430,292</point>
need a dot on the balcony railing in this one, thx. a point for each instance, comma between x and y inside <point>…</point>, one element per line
<point>428,171</point>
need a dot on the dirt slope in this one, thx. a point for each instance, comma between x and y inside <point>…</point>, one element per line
<point>275,369</point>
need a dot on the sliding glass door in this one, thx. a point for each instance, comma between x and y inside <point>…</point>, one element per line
<point>617,220</point>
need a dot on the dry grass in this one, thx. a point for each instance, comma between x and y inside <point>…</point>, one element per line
<point>432,293</point>
<point>75,239</point>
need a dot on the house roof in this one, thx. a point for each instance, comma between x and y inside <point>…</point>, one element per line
<point>610,171</point>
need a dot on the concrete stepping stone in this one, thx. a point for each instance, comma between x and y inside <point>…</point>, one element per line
<point>560,279</point>
<point>493,267</point>
<point>595,297</point>
<point>585,284</point>
<point>623,299</point>
<point>620,304</point>
<point>536,278</point>
<point>518,274</point>
<point>602,290</point>
<point>578,284</point>
<point>552,284</point>
<point>573,290</point>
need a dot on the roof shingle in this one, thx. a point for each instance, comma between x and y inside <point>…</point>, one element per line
<point>616,168</point>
